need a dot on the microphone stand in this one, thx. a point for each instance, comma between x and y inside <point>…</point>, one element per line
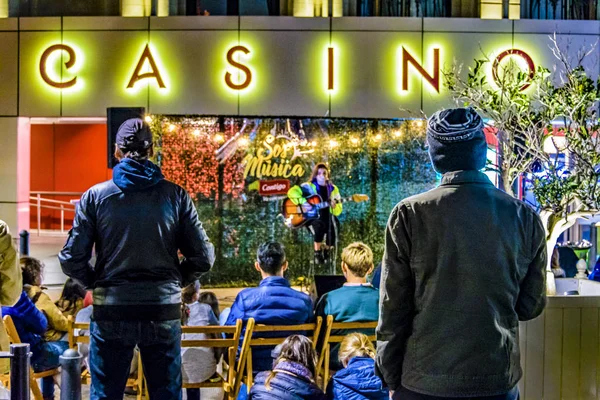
<point>329,228</point>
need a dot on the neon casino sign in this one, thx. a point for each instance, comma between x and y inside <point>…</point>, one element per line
<point>238,76</point>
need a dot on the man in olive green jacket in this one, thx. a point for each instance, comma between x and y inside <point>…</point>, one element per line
<point>11,284</point>
<point>463,263</point>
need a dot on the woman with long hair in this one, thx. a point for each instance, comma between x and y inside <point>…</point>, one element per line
<point>71,298</point>
<point>293,374</point>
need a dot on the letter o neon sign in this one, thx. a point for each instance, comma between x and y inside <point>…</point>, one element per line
<point>514,52</point>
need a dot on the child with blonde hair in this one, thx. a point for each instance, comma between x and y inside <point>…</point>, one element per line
<point>357,300</point>
<point>357,381</point>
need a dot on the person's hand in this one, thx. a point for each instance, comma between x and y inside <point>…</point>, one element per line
<point>333,203</point>
<point>306,207</point>
<point>391,394</point>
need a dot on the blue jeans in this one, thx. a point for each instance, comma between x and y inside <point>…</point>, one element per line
<point>405,394</point>
<point>47,358</point>
<point>111,350</point>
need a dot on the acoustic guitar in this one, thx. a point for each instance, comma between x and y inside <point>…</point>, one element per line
<point>295,216</point>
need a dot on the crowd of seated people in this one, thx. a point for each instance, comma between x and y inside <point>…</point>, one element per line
<point>44,325</point>
<point>41,322</point>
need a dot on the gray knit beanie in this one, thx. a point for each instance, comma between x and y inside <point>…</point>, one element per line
<point>456,140</point>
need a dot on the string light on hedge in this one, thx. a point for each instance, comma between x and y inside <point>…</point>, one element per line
<point>420,123</point>
<point>354,140</point>
<point>333,144</point>
<point>148,119</point>
<point>397,133</point>
<point>378,137</point>
<point>219,138</point>
<point>196,132</point>
<point>172,127</point>
<point>243,142</point>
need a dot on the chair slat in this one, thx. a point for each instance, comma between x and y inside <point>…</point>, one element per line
<point>209,329</point>
<point>354,325</point>
<point>266,341</point>
<point>203,385</point>
<point>280,328</point>
<point>208,343</point>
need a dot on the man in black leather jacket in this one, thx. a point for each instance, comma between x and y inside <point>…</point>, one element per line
<point>137,222</point>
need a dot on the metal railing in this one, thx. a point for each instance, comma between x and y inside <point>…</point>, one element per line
<point>530,9</point>
<point>36,200</point>
<point>560,9</point>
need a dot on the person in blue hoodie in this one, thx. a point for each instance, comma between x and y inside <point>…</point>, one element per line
<point>138,221</point>
<point>31,325</point>
<point>273,302</point>
<point>293,373</point>
<point>357,381</point>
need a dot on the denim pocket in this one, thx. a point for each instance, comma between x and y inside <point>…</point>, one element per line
<point>165,331</point>
<point>111,330</point>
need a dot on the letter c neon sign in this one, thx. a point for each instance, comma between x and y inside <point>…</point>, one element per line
<point>70,62</point>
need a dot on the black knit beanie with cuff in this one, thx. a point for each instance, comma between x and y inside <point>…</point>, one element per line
<point>456,140</point>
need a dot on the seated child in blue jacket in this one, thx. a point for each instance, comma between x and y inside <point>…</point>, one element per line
<point>357,381</point>
<point>273,302</point>
<point>293,374</point>
<point>31,325</point>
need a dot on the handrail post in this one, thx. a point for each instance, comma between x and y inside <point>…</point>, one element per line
<point>62,218</point>
<point>39,215</point>
<point>24,243</point>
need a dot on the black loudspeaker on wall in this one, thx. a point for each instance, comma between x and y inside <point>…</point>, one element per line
<point>115,116</point>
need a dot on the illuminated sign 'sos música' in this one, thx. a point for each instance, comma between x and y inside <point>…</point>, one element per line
<point>238,75</point>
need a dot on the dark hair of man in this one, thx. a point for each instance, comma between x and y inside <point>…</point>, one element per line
<point>271,257</point>
<point>31,269</point>
<point>134,153</point>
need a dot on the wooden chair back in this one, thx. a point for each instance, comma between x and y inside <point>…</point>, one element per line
<point>244,352</point>
<point>14,338</point>
<point>314,327</point>
<point>216,340</point>
<point>328,339</point>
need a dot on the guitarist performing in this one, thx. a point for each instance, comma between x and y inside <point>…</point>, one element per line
<point>327,224</point>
